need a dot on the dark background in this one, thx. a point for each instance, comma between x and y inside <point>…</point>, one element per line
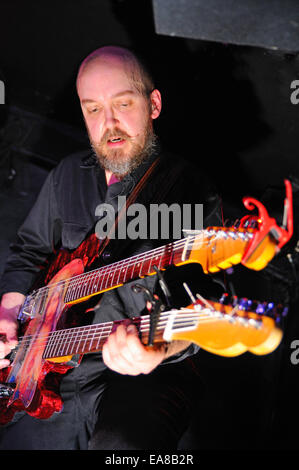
<point>226,107</point>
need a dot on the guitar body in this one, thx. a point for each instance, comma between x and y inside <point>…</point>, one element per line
<point>46,374</point>
<point>46,399</point>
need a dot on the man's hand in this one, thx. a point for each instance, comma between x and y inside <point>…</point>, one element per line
<point>9,309</point>
<point>124,353</point>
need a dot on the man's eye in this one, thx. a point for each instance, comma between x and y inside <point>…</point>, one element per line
<point>124,104</point>
<point>93,110</point>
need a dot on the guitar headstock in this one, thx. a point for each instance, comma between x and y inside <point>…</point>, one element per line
<point>253,242</point>
<point>231,328</point>
<point>267,228</point>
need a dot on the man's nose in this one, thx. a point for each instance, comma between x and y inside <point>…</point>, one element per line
<point>110,117</point>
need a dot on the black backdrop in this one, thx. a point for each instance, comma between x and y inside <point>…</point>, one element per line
<point>226,107</point>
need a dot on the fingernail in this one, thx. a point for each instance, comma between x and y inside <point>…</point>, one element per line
<point>131,329</point>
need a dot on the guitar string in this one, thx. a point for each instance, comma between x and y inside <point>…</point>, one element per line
<point>128,261</point>
<point>100,336</point>
<point>143,257</point>
<point>75,344</point>
<point>89,276</point>
<point>76,281</point>
<point>144,319</point>
<point>95,332</point>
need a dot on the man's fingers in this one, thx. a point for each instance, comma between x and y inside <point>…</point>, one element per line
<point>4,363</point>
<point>122,350</point>
<point>4,351</point>
<point>117,362</point>
<point>136,348</point>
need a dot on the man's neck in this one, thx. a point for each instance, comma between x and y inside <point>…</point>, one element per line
<point>108,176</point>
<point>111,178</point>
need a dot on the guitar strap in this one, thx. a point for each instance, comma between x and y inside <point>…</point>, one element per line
<point>130,200</point>
<point>159,196</point>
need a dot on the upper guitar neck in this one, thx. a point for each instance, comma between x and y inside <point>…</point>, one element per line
<point>214,249</point>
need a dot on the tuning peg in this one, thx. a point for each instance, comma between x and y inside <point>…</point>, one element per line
<point>245,304</point>
<point>261,307</point>
<point>224,299</point>
<point>204,301</point>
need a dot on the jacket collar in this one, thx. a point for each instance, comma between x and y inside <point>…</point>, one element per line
<point>130,180</point>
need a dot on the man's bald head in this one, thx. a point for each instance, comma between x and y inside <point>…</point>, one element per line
<point>134,68</point>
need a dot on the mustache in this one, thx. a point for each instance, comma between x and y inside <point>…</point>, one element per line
<point>113,133</point>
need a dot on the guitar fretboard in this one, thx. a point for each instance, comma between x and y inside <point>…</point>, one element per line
<point>214,248</point>
<point>90,338</point>
<point>119,273</point>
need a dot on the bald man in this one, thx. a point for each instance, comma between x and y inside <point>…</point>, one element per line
<point>119,103</point>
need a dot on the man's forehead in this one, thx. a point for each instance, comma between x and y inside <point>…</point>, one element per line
<point>106,64</point>
<point>101,72</point>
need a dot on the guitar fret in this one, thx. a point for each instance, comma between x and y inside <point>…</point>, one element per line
<point>77,291</point>
<point>99,339</point>
<point>55,348</point>
<point>119,272</point>
<point>50,347</point>
<point>155,259</point>
<point>108,283</point>
<point>63,335</point>
<point>123,273</point>
<point>133,275</point>
<point>140,270</point>
<point>150,265</point>
<point>95,285</point>
<point>77,341</point>
<point>47,349</point>
<point>91,343</point>
<point>126,272</point>
<point>87,340</point>
<point>82,287</point>
<point>68,344</point>
<point>161,257</point>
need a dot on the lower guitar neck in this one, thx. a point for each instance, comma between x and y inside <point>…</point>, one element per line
<point>91,338</point>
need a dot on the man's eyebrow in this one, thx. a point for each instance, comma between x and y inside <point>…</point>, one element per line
<point>121,93</point>
<point>126,92</point>
<point>88,101</point>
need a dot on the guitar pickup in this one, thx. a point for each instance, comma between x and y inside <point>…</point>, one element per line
<point>28,308</point>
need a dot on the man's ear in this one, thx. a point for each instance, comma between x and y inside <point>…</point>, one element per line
<point>156,104</point>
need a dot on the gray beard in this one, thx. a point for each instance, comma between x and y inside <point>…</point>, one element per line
<point>122,166</point>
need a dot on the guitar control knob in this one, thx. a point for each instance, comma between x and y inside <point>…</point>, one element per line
<point>106,256</point>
